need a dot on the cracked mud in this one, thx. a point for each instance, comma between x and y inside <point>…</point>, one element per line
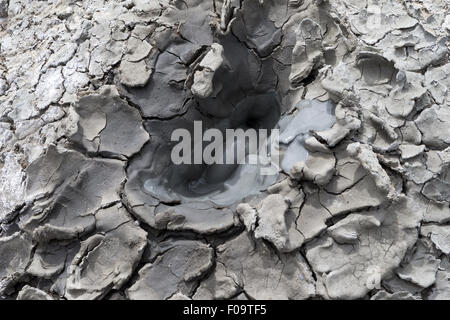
<point>92,207</point>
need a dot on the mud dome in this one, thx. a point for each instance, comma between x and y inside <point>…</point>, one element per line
<point>228,90</point>
<point>91,206</point>
<point>228,86</point>
<point>240,93</point>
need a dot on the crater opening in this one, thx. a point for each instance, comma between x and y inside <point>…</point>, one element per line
<point>241,93</point>
<point>220,183</point>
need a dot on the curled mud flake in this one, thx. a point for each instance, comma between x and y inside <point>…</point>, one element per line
<point>439,235</point>
<point>438,83</point>
<point>361,195</point>
<point>30,293</point>
<point>240,262</point>
<point>409,151</point>
<point>253,27</point>
<point>248,216</point>
<point>345,268</point>
<point>203,78</point>
<point>369,161</point>
<point>440,290</point>
<point>50,88</point>
<point>16,254</point>
<point>48,260</point>
<point>173,271</point>
<point>109,126</point>
<point>406,94</point>
<point>433,123</point>
<point>308,52</point>
<point>420,266</point>
<point>106,260</point>
<point>104,56</point>
<point>137,50</point>
<point>272,220</point>
<point>319,168</point>
<point>68,194</point>
<point>134,74</point>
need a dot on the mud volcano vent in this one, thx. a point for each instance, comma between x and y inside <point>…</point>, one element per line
<point>92,205</point>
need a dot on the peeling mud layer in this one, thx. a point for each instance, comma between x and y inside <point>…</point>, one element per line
<point>91,206</point>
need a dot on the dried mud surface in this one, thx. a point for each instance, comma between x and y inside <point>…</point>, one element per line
<point>90,207</point>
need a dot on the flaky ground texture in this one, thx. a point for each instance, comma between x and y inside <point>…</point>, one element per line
<point>92,208</point>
